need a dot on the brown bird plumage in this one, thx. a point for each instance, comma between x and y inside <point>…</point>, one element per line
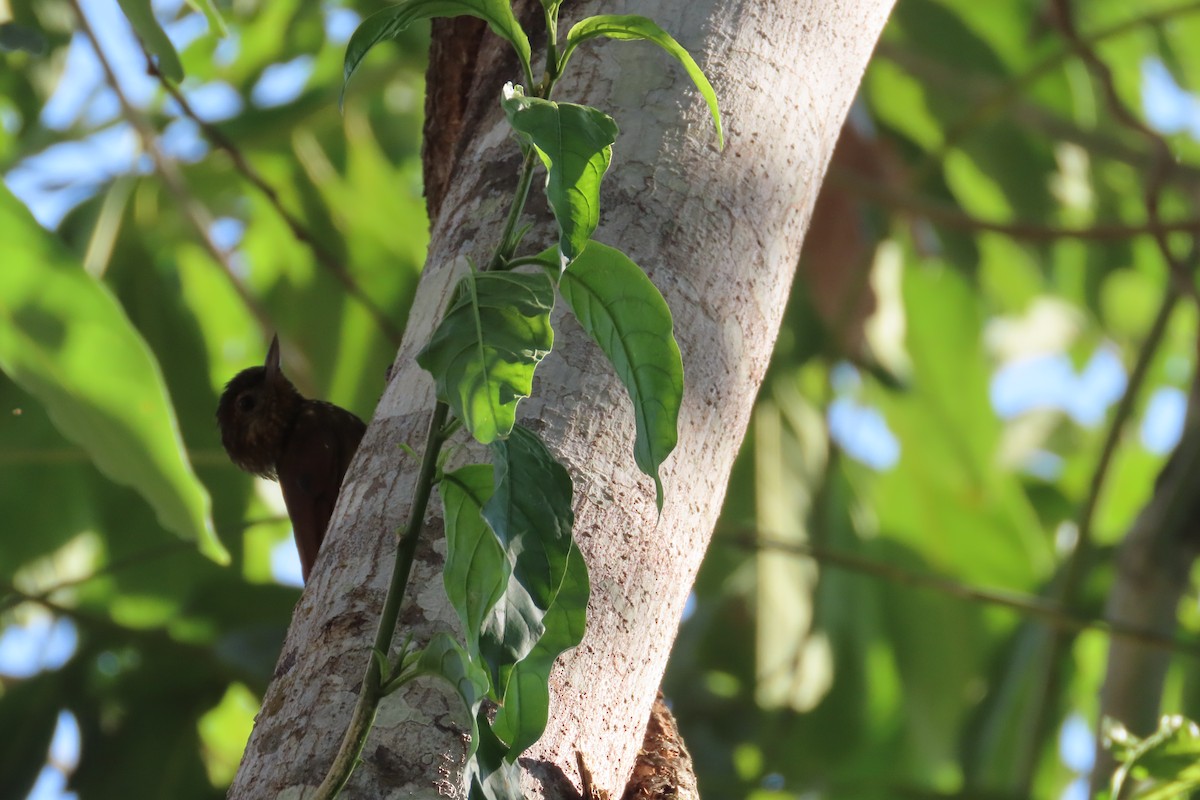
<point>270,429</point>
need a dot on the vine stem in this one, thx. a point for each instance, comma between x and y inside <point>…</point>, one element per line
<point>370,694</point>
<point>506,247</point>
<point>371,691</point>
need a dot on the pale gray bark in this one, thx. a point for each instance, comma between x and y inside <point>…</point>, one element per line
<point>720,234</point>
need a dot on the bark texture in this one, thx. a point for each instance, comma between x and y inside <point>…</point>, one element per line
<point>1154,565</point>
<point>720,234</point>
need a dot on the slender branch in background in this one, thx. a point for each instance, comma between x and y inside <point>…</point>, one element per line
<point>192,209</point>
<point>995,102</point>
<point>1045,699</point>
<point>952,217</point>
<point>1027,605</point>
<point>1163,162</point>
<point>321,254</point>
<point>14,596</point>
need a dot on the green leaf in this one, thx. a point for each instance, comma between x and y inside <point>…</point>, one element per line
<point>624,313</point>
<point>530,514</point>
<point>66,340</point>
<point>445,658</point>
<point>477,571</point>
<point>485,350</point>
<point>489,775</point>
<point>530,511</point>
<point>389,22</point>
<point>525,707</point>
<point>575,145</point>
<point>141,17</point>
<point>633,27</point>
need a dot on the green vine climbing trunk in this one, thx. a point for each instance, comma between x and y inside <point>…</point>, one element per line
<point>719,233</point>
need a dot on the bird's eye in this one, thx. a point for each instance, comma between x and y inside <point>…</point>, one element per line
<point>246,402</point>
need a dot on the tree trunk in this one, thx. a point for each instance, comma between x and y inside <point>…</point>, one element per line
<point>719,233</point>
<point>1154,565</point>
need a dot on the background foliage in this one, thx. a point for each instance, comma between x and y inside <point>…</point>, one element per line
<point>976,290</point>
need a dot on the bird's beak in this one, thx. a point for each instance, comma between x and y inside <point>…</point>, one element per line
<point>272,362</point>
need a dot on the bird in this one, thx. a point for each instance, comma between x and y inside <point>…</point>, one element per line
<point>271,430</point>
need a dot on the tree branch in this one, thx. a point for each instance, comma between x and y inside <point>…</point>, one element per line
<point>322,255</point>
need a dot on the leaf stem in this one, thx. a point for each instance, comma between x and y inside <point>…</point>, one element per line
<point>369,696</point>
<point>507,239</point>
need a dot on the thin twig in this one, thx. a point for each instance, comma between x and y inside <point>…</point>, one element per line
<point>1027,605</point>
<point>300,231</point>
<point>995,102</point>
<point>199,216</point>
<point>1063,16</point>
<point>952,217</point>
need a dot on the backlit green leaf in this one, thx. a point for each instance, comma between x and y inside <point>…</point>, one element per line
<point>66,340</point>
<point>575,145</point>
<point>389,22</point>
<point>485,350</point>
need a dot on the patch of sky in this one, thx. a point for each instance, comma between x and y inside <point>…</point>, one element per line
<point>10,119</point>
<point>1162,424</point>
<point>64,757</point>
<point>212,102</point>
<point>55,180</point>
<point>340,23</point>
<point>1044,464</point>
<point>689,606</point>
<point>282,83</point>
<point>1169,107</point>
<point>1077,752</point>
<point>181,140</point>
<point>80,79</point>
<point>184,30</point>
<point>860,430</point>
<point>285,564</point>
<point>42,643</point>
<point>227,232</point>
<point>1051,382</point>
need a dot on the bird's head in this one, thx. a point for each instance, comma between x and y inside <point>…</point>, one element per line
<point>255,413</point>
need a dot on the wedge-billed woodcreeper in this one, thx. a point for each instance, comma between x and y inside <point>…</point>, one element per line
<point>270,429</point>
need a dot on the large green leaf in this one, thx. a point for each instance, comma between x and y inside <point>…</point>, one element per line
<point>141,17</point>
<point>624,313</point>
<point>65,340</point>
<point>526,704</point>
<point>530,511</point>
<point>389,22</point>
<point>575,144</point>
<point>476,572</point>
<point>485,350</point>
<point>634,27</point>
